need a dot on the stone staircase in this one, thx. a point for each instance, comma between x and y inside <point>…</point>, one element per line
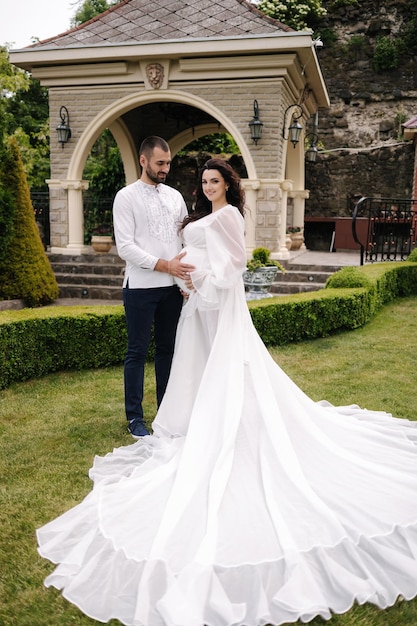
<point>89,276</point>
<point>100,276</point>
<point>299,277</point>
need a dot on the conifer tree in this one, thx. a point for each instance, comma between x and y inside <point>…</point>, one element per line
<point>25,271</point>
<point>6,200</point>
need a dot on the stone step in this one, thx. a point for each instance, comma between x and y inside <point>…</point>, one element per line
<point>288,288</point>
<point>299,278</point>
<point>303,267</point>
<point>90,292</point>
<point>90,259</point>
<point>88,276</point>
<point>89,279</point>
<point>305,276</point>
<point>100,276</point>
<point>75,268</point>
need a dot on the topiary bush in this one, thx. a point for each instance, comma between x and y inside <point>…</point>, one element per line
<point>384,281</point>
<point>6,220</point>
<point>261,257</point>
<point>25,271</point>
<point>348,277</point>
<point>412,256</point>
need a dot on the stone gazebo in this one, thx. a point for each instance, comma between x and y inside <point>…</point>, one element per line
<point>181,70</point>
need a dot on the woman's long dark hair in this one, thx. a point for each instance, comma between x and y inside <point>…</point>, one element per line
<point>234,195</point>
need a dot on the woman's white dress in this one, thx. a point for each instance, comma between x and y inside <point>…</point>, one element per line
<point>250,504</point>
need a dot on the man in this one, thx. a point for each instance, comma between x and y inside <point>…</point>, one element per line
<point>146,216</point>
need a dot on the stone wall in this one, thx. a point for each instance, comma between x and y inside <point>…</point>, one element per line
<point>337,181</point>
<point>366,111</point>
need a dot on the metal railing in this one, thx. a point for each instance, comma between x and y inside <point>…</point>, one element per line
<point>96,211</point>
<point>390,228</point>
<point>40,203</point>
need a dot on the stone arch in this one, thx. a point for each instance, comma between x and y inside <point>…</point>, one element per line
<point>127,149</point>
<point>111,115</point>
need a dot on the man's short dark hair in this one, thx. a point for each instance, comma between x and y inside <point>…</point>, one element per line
<point>150,143</point>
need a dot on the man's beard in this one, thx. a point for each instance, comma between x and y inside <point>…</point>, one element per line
<point>154,176</point>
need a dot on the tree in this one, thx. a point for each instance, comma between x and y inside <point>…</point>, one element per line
<point>24,113</point>
<point>27,119</point>
<point>216,143</point>
<point>298,15</point>
<point>11,78</point>
<point>25,271</point>
<point>89,9</point>
<point>6,213</point>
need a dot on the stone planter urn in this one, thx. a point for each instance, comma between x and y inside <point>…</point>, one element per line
<point>259,282</point>
<point>101,243</point>
<point>297,240</point>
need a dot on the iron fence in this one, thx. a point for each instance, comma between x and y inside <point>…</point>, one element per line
<point>391,228</point>
<point>40,203</point>
<point>97,213</point>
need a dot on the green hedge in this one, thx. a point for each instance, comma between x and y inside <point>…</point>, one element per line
<point>309,315</point>
<point>34,342</point>
<point>350,299</point>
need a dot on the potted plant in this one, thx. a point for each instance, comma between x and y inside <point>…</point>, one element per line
<point>297,237</point>
<point>260,274</point>
<point>102,238</point>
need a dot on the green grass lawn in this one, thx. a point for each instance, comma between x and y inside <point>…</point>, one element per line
<point>50,430</point>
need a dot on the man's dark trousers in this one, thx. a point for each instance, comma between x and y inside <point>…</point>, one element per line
<point>160,306</point>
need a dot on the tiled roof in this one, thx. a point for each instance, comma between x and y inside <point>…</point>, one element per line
<point>136,21</point>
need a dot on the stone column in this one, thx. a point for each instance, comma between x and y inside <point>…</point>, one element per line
<point>286,187</point>
<point>251,192</point>
<point>67,227</point>
<point>299,198</point>
<point>268,207</point>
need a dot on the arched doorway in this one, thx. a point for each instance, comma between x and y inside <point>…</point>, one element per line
<point>176,116</point>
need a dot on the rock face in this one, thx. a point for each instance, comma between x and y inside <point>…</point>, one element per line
<point>369,62</point>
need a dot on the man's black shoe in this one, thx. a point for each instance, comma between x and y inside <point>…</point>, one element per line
<point>137,428</point>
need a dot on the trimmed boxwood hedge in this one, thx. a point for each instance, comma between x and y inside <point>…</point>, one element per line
<point>34,342</point>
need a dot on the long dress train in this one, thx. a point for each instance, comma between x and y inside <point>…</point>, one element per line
<point>250,504</point>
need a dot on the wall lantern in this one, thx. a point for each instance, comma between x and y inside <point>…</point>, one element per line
<point>312,150</point>
<point>255,124</point>
<point>294,129</point>
<point>63,129</point>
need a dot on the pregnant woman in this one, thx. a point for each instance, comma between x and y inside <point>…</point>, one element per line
<point>250,504</point>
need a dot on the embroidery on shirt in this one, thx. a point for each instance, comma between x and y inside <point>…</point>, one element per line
<point>161,213</point>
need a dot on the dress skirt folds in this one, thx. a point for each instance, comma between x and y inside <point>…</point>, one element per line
<point>250,504</point>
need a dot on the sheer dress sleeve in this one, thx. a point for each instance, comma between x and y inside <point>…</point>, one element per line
<point>226,252</point>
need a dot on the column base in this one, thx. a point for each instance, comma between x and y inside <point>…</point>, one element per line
<point>74,249</point>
